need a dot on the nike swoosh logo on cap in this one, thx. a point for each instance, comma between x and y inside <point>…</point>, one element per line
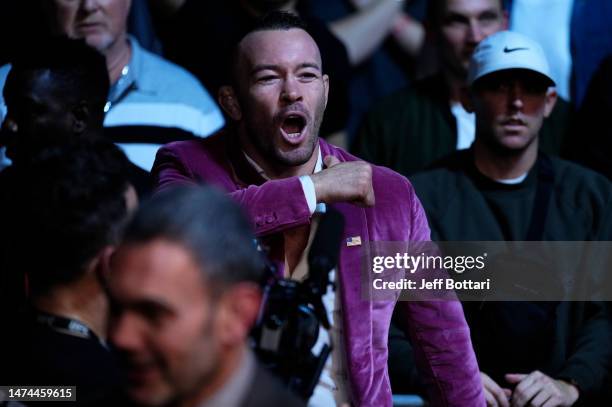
<point>508,50</point>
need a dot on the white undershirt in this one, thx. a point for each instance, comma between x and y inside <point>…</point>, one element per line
<point>513,181</point>
<point>332,389</point>
<point>466,126</point>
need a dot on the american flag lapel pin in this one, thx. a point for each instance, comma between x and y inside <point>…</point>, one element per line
<point>353,241</point>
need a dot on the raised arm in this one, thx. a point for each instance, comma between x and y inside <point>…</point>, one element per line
<point>364,30</point>
<point>275,205</point>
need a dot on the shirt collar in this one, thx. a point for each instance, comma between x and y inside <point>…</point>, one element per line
<point>130,74</point>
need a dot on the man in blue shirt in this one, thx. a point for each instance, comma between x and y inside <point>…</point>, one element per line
<point>151,100</point>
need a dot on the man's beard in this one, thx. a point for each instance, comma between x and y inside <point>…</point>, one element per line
<point>275,158</point>
<point>263,140</point>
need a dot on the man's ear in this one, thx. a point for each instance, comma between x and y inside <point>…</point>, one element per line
<point>237,312</point>
<point>466,99</point>
<point>80,117</point>
<point>326,86</point>
<point>551,101</point>
<point>102,262</point>
<point>229,103</point>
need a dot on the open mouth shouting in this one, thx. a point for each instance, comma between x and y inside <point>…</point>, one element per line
<point>292,127</point>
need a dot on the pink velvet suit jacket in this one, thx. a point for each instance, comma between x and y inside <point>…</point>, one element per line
<point>438,330</point>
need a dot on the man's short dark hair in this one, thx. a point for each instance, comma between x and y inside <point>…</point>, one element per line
<point>277,20</point>
<point>206,223</point>
<point>78,70</point>
<point>274,21</point>
<point>72,204</point>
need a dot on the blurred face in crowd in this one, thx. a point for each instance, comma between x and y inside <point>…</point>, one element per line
<point>464,23</point>
<point>102,23</point>
<point>170,333</point>
<point>510,107</point>
<point>37,105</point>
<point>279,99</point>
<point>38,108</point>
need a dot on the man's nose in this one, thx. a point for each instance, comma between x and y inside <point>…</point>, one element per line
<point>515,96</point>
<point>475,32</point>
<point>291,91</point>
<point>90,5</point>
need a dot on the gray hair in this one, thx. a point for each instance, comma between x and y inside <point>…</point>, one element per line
<point>206,223</point>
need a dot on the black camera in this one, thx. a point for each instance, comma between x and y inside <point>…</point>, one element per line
<point>293,312</point>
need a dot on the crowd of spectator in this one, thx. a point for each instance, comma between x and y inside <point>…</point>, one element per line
<point>157,156</point>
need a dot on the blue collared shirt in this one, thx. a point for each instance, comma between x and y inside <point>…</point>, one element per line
<point>153,92</point>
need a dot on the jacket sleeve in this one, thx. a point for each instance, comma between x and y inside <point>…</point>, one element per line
<point>589,364</point>
<point>441,342</point>
<point>590,361</point>
<point>272,207</point>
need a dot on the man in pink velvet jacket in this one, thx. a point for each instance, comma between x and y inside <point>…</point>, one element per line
<point>273,163</point>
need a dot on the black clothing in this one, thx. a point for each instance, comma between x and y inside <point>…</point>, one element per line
<point>591,142</point>
<point>40,353</point>
<point>462,204</point>
<point>565,340</point>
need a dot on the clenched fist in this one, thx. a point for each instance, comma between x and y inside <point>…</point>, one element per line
<point>344,182</point>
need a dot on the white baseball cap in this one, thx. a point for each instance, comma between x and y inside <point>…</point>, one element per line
<point>507,50</point>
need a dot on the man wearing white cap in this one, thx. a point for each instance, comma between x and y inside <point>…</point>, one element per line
<point>421,124</point>
<point>511,93</point>
<point>537,353</point>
